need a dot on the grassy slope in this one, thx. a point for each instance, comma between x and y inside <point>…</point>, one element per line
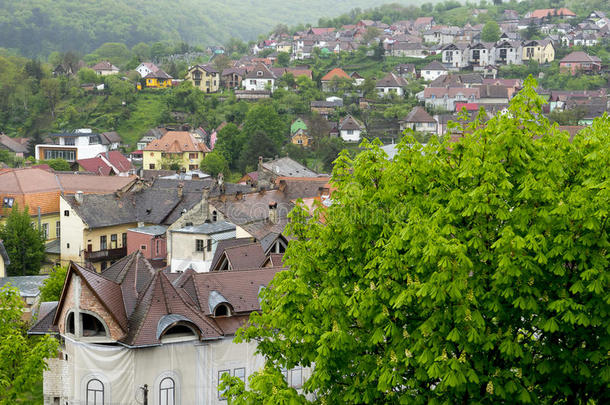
<point>146,114</point>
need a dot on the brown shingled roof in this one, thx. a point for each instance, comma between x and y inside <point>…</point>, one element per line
<point>177,142</point>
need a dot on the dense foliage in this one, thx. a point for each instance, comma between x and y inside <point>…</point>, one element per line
<point>54,284</point>
<point>24,243</point>
<point>22,358</point>
<point>468,272</point>
<point>38,27</point>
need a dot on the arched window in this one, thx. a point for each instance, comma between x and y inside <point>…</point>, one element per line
<point>214,216</point>
<point>167,391</point>
<point>70,323</point>
<point>92,326</point>
<point>95,392</point>
<point>222,310</point>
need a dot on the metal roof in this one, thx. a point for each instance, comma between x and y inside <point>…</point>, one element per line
<point>207,228</point>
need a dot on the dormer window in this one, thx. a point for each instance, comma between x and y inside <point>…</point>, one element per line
<point>222,310</point>
<point>259,73</point>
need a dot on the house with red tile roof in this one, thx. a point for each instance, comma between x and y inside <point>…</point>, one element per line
<point>331,77</point>
<point>179,149</point>
<point>106,164</point>
<point>551,12</point>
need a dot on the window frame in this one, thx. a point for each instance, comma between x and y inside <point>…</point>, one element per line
<point>95,392</point>
<point>167,390</point>
<point>199,245</point>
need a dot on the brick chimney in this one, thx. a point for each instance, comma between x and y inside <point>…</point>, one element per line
<point>273,217</point>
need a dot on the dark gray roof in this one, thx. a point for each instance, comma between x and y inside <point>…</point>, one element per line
<point>28,286</point>
<point>53,247</point>
<point>4,255</point>
<point>288,167</point>
<point>154,230</point>
<point>434,65</point>
<point>44,318</point>
<point>208,228</point>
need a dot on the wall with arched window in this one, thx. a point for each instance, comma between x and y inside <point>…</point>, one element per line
<point>167,389</point>
<point>95,390</point>
<point>90,325</point>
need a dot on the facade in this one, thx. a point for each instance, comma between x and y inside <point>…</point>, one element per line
<point>391,84</point>
<point>145,68</point>
<point>149,240</point>
<point>118,341</point>
<point>419,120</point>
<point>455,55</point>
<point>260,78</point>
<point>194,246</point>
<point>105,68</point>
<point>71,146</point>
<point>157,80</point>
<point>432,71</point>
<point>508,52</point>
<point>106,164</point>
<point>178,148</point>
<point>541,51</point>
<point>350,129</point>
<point>580,62</point>
<point>205,77</point>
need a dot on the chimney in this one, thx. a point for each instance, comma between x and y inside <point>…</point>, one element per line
<point>238,195</point>
<point>180,190</point>
<point>78,196</point>
<point>205,205</point>
<point>282,185</point>
<point>273,212</point>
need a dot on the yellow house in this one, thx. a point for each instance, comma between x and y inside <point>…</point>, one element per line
<point>205,77</point>
<point>300,137</point>
<point>283,47</point>
<point>176,149</point>
<point>158,80</point>
<point>542,51</point>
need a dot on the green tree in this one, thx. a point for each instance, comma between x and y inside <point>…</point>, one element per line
<point>24,243</point>
<point>262,117</point>
<point>60,165</point>
<point>87,75</point>
<point>283,59</point>
<point>214,163</point>
<point>54,284</point>
<point>22,358</point>
<point>370,34</point>
<point>491,32</point>
<point>468,272</point>
<point>259,144</point>
<point>230,143</point>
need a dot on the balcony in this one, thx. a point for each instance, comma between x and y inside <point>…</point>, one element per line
<point>107,254</point>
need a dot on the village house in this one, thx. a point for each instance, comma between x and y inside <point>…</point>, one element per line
<point>481,54</point>
<point>231,78</point>
<point>542,51</point>
<point>455,55</point>
<point>299,133</point>
<point>80,144</point>
<point>105,68</point>
<point>391,84</point>
<point>204,77</point>
<point>146,68</point>
<point>508,52</point>
<point>580,62</point>
<point>419,120</point>
<point>18,146</point>
<point>326,107</point>
<point>445,98</point>
<point>330,80</point>
<point>350,129</point>
<point>158,80</point>
<point>133,330</point>
<point>40,189</point>
<point>260,78</point>
<point>175,148</point>
<point>150,241</point>
<point>432,71</point>
<point>107,163</point>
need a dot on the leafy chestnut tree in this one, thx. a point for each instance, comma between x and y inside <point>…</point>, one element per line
<point>468,272</point>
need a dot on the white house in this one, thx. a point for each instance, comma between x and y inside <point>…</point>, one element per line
<point>419,120</point>
<point>350,129</point>
<point>260,78</point>
<point>432,71</point>
<point>145,68</point>
<point>80,144</point>
<point>391,84</point>
<point>455,55</point>
<point>194,246</point>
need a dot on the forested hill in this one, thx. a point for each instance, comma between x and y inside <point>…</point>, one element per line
<point>38,27</point>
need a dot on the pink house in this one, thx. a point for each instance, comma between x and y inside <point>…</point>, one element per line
<point>150,240</point>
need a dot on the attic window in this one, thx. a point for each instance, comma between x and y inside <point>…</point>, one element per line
<point>8,202</point>
<point>92,326</point>
<point>259,73</point>
<point>70,323</point>
<point>222,310</point>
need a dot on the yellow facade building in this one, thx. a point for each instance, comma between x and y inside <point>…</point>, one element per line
<point>205,77</point>
<point>175,150</point>
<point>542,51</point>
<point>158,80</point>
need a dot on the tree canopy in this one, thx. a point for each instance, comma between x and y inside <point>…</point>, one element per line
<point>24,243</point>
<point>53,285</point>
<point>491,32</point>
<point>22,358</point>
<point>459,272</point>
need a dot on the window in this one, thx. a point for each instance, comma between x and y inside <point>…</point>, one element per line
<point>95,392</point>
<point>240,373</point>
<point>103,242</point>
<point>220,374</point>
<point>157,246</point>
<point>59,154</point>
<point>350,131</point>
<point>94,140</point>
<point>167,391</point>
<point>69,141</point>
<point>103,266</point>
<point>214,216</point>
<point>58,229</point>
<point>113,241</point>
<point>8,202</point>
<point>199,245</point>
<point>193,155</point>
<point>193,167</point>
<point>124,239</point>
<point>209,245</point>
<point>222,310</point>
<point>294,377</point>
<point>151,166</point>
<point>197,83</point>
<point>142,247</point>
<point>45,230</point>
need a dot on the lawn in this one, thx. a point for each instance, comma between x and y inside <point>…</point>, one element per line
<point>147,111</point>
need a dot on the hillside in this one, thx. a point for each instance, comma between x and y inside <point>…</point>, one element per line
<point>38,27</point>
